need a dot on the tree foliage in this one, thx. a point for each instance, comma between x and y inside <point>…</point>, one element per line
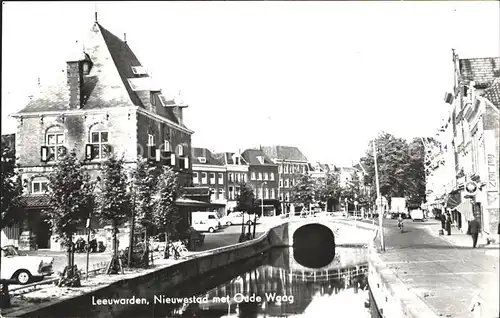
<point>145,181</point>
<point>71,197</point>
<point>328,187</point>
<point>115,199</point>
<point>245,199</point>
<point>400,167</point>
<point>166,215</point>
<point>11,188</point>
<point>304,191</point>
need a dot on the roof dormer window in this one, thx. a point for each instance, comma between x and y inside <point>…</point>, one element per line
<point>202,159</point>
<point>139,70</point>
<point>261,159</point>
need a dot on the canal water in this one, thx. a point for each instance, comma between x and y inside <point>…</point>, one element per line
<point>283,282</point>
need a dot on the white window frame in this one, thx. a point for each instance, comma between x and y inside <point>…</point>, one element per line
<point>211,177</point>
<point>180,150</point>
<point>272,193</point>
<point>40,186</point>
<point>204,178</point>
<point>55,151</point>
<point>281,197</point>
<point>220,178</point>
<point>151,140</point>
<point>99,143</point>
<point>166,145</point>
<point>287,183</point>
<point>266,193</point>
<point>280,168</point>
<point>220,193</point>
<point>213,194</point>
<point>265,175</point>
<point>281,183</point>
<point>271,174</point>
<point>287,196</point>
<point>259,176</point>
<point>253,175</point>
<point>230,177</point>
<point>195,178</point>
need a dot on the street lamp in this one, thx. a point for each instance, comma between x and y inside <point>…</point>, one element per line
<point>262,208</point>
<point>380,213</point>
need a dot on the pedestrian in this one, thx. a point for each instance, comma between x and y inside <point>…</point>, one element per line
<point>474,228</point>
<point>443,220</point>
<point>448,223</point>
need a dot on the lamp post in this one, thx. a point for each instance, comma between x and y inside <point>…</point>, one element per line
<point>380,213</point>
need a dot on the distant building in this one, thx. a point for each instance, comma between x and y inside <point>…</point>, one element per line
<point>263,179</point>
<point>291,163</point>
<point>237,173</point>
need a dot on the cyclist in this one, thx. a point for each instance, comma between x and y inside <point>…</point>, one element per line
<point>400,222</point>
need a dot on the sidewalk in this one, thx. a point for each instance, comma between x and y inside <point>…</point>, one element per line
<point>458,238</point>
<point>445,273</point>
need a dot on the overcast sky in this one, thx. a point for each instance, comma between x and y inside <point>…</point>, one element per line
<point>323,76</point>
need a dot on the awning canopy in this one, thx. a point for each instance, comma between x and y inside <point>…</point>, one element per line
<point>453,200</point>
<point>195,203</point>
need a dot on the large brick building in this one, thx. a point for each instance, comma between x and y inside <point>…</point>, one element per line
<point>291,162</point>
<point>104,102</point>
<point>263,178</point>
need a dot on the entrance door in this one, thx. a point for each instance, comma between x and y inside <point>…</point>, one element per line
<point>43,233</point>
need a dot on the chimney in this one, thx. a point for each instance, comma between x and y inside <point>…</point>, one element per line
<point>125,37</point>
<point>74,71</point>
<point>178,113</point>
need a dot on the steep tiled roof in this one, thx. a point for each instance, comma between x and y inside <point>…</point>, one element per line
<point>250,156</point>
<point>284,153</point>
<point>107,84</point>
<point>197,153</point>
<point>493,93</point>
<point>480,70</point>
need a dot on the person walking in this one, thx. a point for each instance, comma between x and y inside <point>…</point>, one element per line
<point>474,228</point>
<point>448,223</point>
<point>443,221</point>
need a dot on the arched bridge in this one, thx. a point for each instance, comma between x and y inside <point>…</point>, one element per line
<point>311,232</point>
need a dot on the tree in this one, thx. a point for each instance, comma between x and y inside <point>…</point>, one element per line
<point>245,199</point>
<point>10,200</point>
<point>416,186</point>
<point>166,215</point>
<point>303,192</point>
<point>71,202</point>
<point>400,167</point>
<point>115,202</point>
<point>328,188</point>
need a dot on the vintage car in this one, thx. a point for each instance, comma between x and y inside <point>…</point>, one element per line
<point>237,217</point>
<point>24,269</point>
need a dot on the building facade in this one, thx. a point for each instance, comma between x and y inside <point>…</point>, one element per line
<point>237,173</point>
<point>103,103</point>
<point>263,178</point>
<point>463,177</point>
<point>291,163</point>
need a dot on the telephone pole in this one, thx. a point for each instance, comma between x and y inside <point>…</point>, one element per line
<point>380,212</point>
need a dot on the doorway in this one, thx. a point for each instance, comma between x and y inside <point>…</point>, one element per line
<point>43,233</point>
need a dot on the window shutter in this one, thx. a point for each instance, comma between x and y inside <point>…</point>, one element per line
<point>109,151</point>
<point>186,163</point>
<point>88,152</point>
<point>158,155</point>
<point>44,154</point>
<point>172,160</point>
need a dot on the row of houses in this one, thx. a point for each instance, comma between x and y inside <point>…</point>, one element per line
<point>104,102</point>
<point>463,160</point>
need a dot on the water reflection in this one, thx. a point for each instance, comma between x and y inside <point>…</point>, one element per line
<point>277,288</point>
<point>314,257</point>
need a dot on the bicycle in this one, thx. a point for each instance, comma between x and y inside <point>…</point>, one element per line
<point>401,226</point>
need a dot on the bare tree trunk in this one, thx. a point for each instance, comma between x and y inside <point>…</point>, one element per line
<point>115,241</point>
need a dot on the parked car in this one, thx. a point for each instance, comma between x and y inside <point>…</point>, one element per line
<point>207,225</point>
<point>237,217</point>
<point>24,269</point>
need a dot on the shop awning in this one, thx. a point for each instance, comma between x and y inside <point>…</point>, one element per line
<point>453,200</point>
<point>195,203</point>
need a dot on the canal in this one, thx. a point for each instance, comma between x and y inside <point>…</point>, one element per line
<point>284,282</point>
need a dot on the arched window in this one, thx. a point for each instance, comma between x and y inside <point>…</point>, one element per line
<point>39,185</point>
<point>56,143</point>
<point>99,141</point>
<point>166,145</point>
<point>180,150</point>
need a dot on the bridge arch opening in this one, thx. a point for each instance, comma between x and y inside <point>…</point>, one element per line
<point>313,245</point>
